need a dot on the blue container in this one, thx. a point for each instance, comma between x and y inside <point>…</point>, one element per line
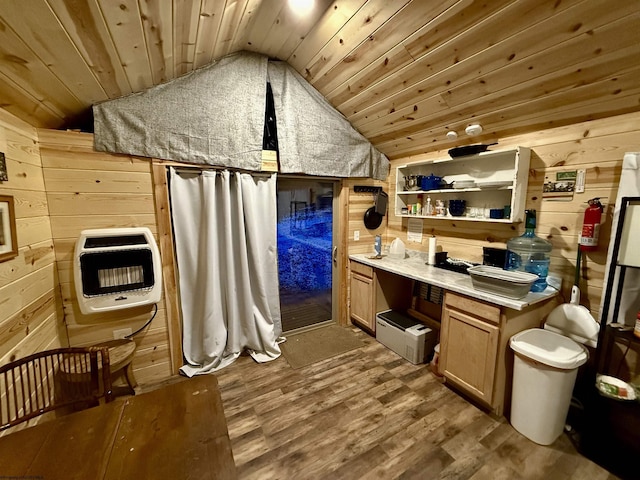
<point>496,213</point>
<point>430,182</point>
<point>530,253</point>
<point>457,207</point>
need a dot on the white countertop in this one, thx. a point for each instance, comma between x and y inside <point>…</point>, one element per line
<point>414,266</point>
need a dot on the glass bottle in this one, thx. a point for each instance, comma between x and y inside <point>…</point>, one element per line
<point>530,253</point>
<point>428,208</point>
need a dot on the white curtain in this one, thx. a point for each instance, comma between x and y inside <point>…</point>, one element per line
<point>225,233</point>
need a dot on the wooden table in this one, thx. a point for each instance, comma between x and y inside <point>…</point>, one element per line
<point>178,432</point>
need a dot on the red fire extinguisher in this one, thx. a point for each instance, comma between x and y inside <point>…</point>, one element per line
<point>591,225</point>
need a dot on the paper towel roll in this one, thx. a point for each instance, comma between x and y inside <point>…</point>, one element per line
<point>432,250</point>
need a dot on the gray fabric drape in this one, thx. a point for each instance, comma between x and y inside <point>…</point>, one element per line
<point>214,115</point>
<point>225,236</point>
<point>313,137</point>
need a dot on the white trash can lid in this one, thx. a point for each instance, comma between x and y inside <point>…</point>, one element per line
<point>549,348</point>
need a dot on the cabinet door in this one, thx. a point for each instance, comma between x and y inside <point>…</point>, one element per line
<point>469,351</point>
<point>362,300</point>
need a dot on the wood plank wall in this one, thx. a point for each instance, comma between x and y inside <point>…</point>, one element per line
<point>597,146</point>
<point>85,190</point>
<point>30,313</point>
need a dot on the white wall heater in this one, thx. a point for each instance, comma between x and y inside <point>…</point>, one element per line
<point>116,268</point>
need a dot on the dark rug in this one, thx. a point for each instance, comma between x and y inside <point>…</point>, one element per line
<point>302,349</point>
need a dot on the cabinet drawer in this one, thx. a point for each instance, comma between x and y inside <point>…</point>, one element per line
<point>362,269</point>
<point>484,311</point>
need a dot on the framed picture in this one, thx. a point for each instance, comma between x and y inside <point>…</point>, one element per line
<point>8,237</point>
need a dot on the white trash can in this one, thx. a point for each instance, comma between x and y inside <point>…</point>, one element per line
<point>544,374</point>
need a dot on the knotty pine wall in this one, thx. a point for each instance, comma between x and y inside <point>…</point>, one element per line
<point>30,317</point>
<point>85,190</point>
<point>597,146</point>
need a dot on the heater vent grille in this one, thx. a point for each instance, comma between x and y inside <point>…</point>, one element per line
<point>116,271</point>
<point>121,277</point>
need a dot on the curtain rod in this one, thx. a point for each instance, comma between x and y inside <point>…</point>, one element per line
<point>197,170</point>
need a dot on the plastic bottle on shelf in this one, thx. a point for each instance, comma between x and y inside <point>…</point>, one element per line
<point>530,253</point>
<point>419,205</point>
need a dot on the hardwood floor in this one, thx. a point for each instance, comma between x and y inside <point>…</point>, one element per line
<point>369,414</point>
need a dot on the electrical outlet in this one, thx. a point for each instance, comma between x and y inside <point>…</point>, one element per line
<point>122,333</point>
<point>356,235</point>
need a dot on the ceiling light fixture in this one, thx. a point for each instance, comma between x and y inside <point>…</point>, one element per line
<point>452,135</point>
<point>302,7</point>
<point>473,130</point>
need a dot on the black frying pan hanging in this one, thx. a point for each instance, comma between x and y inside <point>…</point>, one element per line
<point>469,149</point>
<point>372,219</point>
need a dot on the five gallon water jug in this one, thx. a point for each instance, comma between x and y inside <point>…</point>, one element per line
<point>530,253</point>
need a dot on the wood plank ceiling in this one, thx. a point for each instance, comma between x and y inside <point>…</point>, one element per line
<point>403,72</point>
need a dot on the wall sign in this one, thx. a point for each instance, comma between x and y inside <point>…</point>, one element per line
<point>560,186</point>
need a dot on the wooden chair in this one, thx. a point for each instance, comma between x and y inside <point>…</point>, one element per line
<point>74,377</point>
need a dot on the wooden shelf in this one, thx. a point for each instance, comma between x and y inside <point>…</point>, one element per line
<point>453,190</point>
<point>504,174</point>
<point>463,218</point>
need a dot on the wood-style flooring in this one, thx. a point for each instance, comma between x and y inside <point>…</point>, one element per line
<point>369,414</point>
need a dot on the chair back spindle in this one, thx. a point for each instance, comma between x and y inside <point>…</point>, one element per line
<point>75,377</point>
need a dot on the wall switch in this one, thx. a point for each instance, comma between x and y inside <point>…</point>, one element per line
<point>122,333</point>
<point>356,235</point>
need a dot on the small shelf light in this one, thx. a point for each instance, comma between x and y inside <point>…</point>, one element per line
<point>452,135</point>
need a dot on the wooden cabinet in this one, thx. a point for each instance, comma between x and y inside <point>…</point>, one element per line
<point>496,179</point>
<point>470,341</point>
<point>362,298</point>
<point>372,291</point>
<point>474,346</point>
